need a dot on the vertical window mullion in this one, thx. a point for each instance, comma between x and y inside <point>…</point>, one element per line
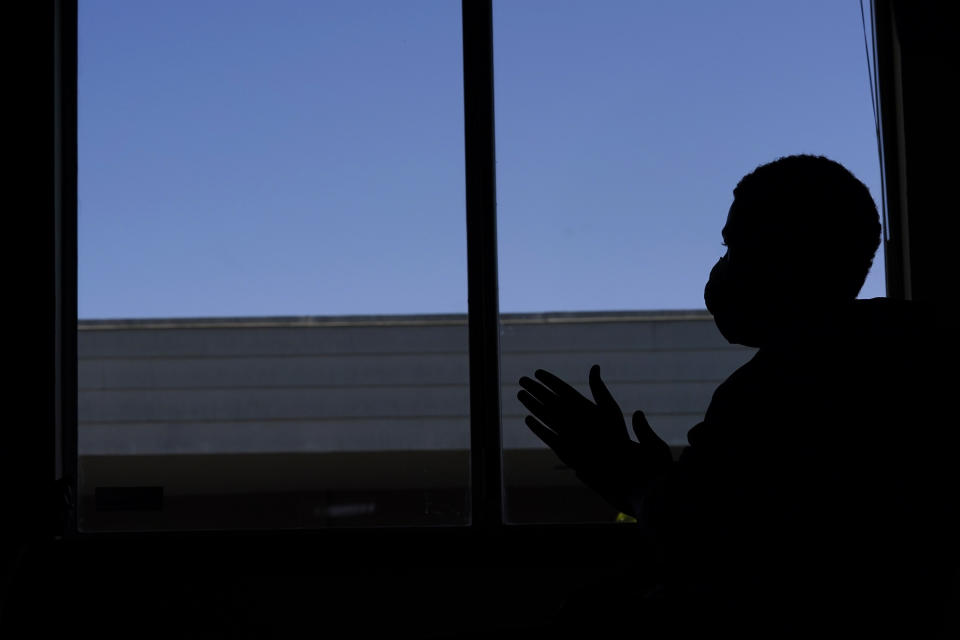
<point>892,153</point>
<point>483,308</point>
<point>65,254</point>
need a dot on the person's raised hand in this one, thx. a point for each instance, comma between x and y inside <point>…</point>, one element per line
<point>591,436</point>
<point>573,426</point>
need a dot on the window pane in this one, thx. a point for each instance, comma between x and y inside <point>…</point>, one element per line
<point>622,128</point>
<point>272,271</point>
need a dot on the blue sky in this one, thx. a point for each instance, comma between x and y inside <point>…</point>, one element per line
<point>306,158</point>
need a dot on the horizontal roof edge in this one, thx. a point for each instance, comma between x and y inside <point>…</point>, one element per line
<point>453,319</point>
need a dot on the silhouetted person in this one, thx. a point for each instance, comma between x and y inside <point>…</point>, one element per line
<point>818,496</point>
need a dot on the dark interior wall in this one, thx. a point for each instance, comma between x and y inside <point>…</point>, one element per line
<point>26,465</point>
<point>26,451</point>
<point>917,71</point>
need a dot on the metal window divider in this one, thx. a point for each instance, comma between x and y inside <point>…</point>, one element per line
<point>486,490</point>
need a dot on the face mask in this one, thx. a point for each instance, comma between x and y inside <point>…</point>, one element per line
<point>735,313</point>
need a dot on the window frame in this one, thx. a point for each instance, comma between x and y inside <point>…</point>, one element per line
<point>486,540</point>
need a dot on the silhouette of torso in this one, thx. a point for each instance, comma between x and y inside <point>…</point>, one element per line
<point>817,495</point>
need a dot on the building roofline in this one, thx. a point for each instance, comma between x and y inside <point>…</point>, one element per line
<point>451,319</point>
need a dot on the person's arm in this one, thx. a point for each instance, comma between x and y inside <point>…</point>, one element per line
<point>591,437</point>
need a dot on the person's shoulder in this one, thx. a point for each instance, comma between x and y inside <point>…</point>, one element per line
<point>744,377</point>
<point>900,326</point>
<point>730,398</point>
<point>909,318</point>
<point>904,349</point>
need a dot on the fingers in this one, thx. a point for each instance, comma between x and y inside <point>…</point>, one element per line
<point>559,407</point>
<point>537,390</point>
<point>641,427</point>
<point>550,438</point>
<point>539,400</point>
<point>553,400</point>
<point>535,406</point>
<point>557,385</point>
<point>657,451</point>
<point>601,394</point>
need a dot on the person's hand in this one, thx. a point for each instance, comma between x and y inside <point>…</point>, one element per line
<point>591,436</point>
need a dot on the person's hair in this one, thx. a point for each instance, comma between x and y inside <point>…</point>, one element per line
<point>816,206</point>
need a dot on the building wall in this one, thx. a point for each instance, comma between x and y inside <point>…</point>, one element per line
<point>231,419</point>
<point>371,384</point>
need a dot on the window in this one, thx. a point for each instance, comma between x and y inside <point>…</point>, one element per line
<point>272,267</point>
<point>622,128</point>
<point>584,100</point>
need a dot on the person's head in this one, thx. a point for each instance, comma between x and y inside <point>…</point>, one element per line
<point>800,235</point>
